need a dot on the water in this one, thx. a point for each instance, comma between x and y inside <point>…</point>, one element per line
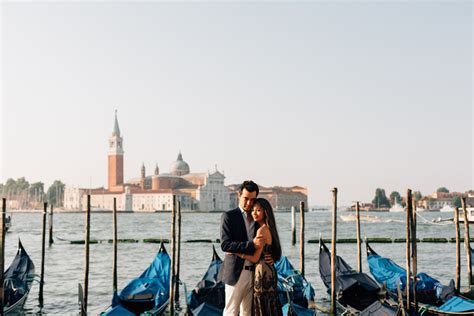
<point>64,267</point>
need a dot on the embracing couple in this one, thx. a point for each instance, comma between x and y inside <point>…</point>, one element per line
<point>249,238</point>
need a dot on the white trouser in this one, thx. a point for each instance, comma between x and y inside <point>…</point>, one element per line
<point>241,294</point>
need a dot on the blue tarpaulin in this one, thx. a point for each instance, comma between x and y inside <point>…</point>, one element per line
<point>384,270</point>
<point>457,304</point>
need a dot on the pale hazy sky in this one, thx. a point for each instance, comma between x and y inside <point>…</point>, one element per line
<point>354,95</point>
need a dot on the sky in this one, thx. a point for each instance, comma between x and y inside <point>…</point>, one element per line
<point>355,95</point>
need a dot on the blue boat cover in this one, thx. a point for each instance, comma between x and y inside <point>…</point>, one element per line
<point>428,290</point>
<point>457,304</point>
<point>302,291</point>
<point>387,272</point>
<point>150,291</point>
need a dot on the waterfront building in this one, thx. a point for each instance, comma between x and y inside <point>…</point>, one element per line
<point>195,191</point>
<point>73,198</point>
<point>438,200</point>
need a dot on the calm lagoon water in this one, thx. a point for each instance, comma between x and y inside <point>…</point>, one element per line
<point>64,263</point>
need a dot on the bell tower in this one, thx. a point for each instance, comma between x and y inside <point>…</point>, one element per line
<point>115,159</point>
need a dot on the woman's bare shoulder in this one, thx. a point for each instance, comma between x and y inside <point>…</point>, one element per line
<point>264,231</point>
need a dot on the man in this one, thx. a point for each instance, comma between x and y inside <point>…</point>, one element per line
<point>237,233</point>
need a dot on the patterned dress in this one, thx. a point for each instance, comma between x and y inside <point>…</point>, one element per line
<point>265,296</point>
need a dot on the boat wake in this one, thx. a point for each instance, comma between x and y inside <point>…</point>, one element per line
<point>363,218</point>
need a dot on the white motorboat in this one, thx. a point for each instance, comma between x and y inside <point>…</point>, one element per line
<point>447,208</point>
<point>397,208</point>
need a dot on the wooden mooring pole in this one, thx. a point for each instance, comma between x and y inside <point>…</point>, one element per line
<point>114,267</point>
<point>172,264</point>
<point>51,241</point>
<point>333,251</point>
<point>43,246</point>
<point>467,242</point>
<point>87,239</point>
<point>293,226</point>
<point>359,252</point>
<point>458,250</point>
<point>178,252</point>
<point>414,252</point>
<point>302,238</point>
<point>407,252</point>
<point>2,254</point>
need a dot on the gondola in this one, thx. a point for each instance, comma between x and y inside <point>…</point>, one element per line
<point>18,279</point>
<point>149,293</point>
<point>357,293</point>
<point>208,298</point>
<point>433,297</point>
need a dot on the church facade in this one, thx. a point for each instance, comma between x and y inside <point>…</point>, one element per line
<point>151,193</point>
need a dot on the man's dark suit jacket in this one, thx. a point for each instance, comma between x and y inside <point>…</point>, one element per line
<point>234,239</point>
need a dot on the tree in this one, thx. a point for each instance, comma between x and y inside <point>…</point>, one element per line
<point>22,184</point>
<point>37,191</point>
<point>457,201</point>
<point>9,187</point>
<point>55,193</point>
<point>395,198</point>
<point>380,199</point>
<point>417,196</point>
<point>442,190</point>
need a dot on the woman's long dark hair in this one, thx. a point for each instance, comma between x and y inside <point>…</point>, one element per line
<point>271,223</point>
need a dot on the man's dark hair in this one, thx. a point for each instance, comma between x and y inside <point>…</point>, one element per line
<point>250,186</point>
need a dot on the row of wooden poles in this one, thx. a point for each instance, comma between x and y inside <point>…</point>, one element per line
<point>411,251</point>
<point>175,255</point>
<point>411,248</point>
<point>43,247</point>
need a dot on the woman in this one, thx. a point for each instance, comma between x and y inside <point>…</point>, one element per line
<point>265,297</point>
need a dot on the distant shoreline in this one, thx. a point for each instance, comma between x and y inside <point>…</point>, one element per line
<point>57,211</point>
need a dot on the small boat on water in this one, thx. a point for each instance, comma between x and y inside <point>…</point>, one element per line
<point>357,293</point>
<point>397,208</point>
<point>447,209</point>
<point>148,294</point>
<point>18,279</point>
<point>469,211</point>
<point>434,298</point>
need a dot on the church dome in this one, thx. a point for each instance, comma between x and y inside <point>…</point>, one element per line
<point>179,167</point>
